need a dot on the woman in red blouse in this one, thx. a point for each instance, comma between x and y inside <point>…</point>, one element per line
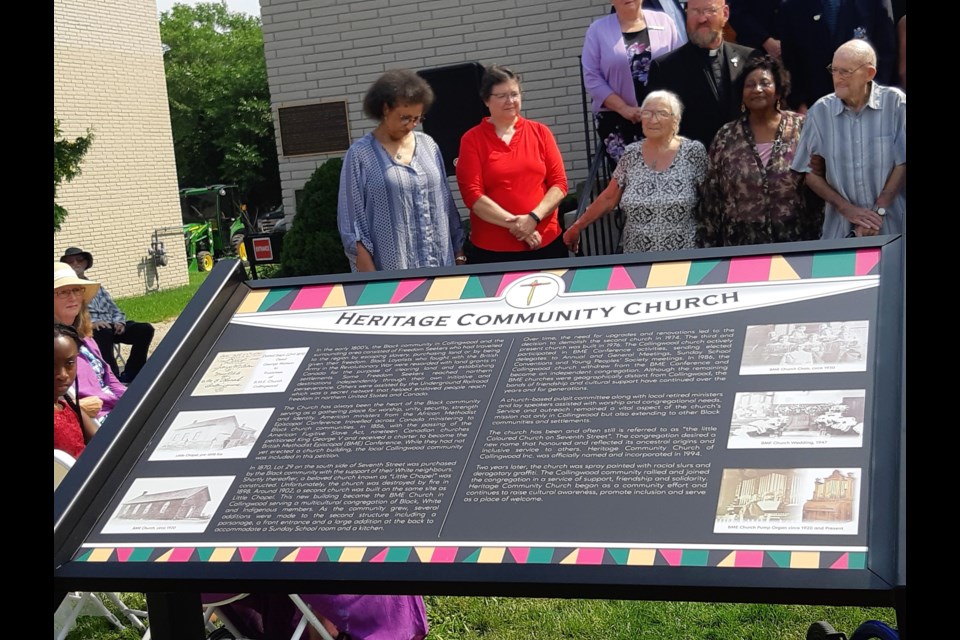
<point>511,176</point>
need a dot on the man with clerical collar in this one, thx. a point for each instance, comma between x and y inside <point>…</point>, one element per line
<point>860,131</point>
<point>703,71</point>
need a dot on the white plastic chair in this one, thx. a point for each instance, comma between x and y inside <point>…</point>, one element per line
<point>78,603</point>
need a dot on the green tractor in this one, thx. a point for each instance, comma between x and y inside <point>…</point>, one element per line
<point>214,224</point>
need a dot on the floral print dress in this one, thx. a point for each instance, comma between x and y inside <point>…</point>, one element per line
<point>659,206</point>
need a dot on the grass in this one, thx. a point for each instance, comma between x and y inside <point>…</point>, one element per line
<point>158,306</point>
<point>461,618</point>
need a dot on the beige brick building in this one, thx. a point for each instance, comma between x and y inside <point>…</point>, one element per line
<point>109,77</point>
<point>322,51</point>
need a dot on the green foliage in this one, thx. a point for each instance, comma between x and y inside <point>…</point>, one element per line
<point>67,156</point>
<point>219,100</point>
<point>312,246</point>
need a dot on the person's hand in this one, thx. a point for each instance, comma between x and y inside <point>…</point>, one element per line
<point>90,405</point>
<point>571,238</point>
<point>630,113</point>
<point>864,232</point>
<point>862,217</point>
<point>523,226</point>
<point>119,328</point>
<point>818,165</point>
<point>101,324</point>
<point>533,240</point>
<point>802,109</point>
<point>772,46</point>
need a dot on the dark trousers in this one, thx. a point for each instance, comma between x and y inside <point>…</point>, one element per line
<point>556,249</point>
<point>138,335</point>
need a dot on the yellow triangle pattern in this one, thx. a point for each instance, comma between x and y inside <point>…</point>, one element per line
<point>805,560</point>
<point>668,274</point>
<point>292,556</point>
<point>165,557</point>
<point>780,269</point>
<point>336,298</point>
<point>572,558</point>
<point>252,302</point>
<point>447,288</point>
<point>424,553</point>
<point>222,554</point>
<point>100,555</point>
<point>352,554</point>
<point>492,555</point>
<point>729,561</point>
<point>641,557</point>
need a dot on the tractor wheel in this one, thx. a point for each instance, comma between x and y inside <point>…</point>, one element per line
<point>239,247</point>
<point>204,261</point>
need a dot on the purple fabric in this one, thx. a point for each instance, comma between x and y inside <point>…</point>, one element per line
<point>274,616</point>
<point>88,384</point>
<point>606,66</point>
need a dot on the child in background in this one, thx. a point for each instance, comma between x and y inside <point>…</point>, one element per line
<point>72,428</point>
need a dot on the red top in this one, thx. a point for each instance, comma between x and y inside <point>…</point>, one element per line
<point>515,176</point>
<point>67,433</point>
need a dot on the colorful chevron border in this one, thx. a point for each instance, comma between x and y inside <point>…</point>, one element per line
<point>638,557</point>
<point>769,268</point>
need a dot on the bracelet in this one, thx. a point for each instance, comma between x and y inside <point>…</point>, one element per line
<point>461,259</point>
<point>534,216</point>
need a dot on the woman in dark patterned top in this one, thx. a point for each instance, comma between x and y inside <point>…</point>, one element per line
<point>750,195</point>
<point>656,184</point>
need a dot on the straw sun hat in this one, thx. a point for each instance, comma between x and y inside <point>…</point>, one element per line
<point>64,276</point>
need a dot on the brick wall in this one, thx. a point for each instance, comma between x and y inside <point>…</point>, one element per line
<point>108,77</point>
<point>324,50</point>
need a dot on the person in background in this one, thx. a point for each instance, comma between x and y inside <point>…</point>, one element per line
<point>110,325</point>
<point>72,428</point>
<point>512,178</point>
<point>702,73</point>
<point>656,184</point>
<point>811,30</point>
<point>751,195</point>
<point>98,390</point>
<point>395,209</point>
<point>617,52</point>
<point>902,43</point>
<point>860,133</point>
<point>756,23</point>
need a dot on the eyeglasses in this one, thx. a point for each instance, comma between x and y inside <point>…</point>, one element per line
<point>844,73</point>
<point>762,85</point>
<point>710,12</point>
<point>415,120</point>
<point>66,293</point>
<point>503,97</point>
<point>662,114</point>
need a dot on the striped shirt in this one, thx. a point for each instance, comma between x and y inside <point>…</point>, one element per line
<point>404,215</point>
<point>860,150</point>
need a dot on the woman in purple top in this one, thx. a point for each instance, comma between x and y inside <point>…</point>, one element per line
<point>617,52</point>
<point>98,389</point>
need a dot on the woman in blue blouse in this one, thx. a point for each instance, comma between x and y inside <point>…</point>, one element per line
<point>395,209</point>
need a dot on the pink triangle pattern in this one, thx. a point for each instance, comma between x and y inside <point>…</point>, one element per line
<point>312,297</point>
<point>123,553</point>
<point>380,557</point>
<point>842,562</point>
<point>404,287</point>
<point>247,553</point>
<point>672,556</point>
<point>444,554</point>
<point>590,556</point>
<point>308,554</point>
<point>748,559</point>
<point>520,554</point>
<point>749,269</point>
<point>181,554</point>
<point>509,278</point>
<point>866,259</point>
<point>620,279</point>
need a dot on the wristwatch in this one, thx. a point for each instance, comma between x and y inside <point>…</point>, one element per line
<point>880,211</point>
